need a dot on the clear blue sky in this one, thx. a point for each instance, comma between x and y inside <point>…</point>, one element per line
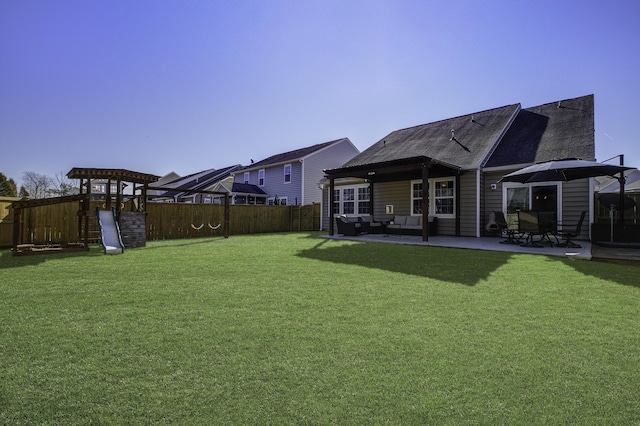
<point>156,86</point>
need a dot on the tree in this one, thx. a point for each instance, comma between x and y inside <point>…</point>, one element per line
<point>7,186</point>
<point>23,192</point>
<point>37,185</point>
<point>62,185</point>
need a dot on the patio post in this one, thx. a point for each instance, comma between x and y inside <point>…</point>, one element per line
<point>425,202</point>
<point>330,204</point>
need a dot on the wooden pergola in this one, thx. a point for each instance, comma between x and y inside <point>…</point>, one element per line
<point>139,180</point>
<point>413,168</point>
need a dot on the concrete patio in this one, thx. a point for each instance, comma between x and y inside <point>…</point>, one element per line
<point>586,252</point>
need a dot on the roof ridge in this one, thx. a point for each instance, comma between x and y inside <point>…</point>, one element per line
<point>455,118</point>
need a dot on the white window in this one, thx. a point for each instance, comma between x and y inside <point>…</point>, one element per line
<point>352,200</point>
<point>261,177</point>
<point>540,196</point>
<point>441,194</point>
<point>277,201</point>
<point>246,177</point>
<point>287,173</point>
<point>444,197</point>
<point>363,200</point>
<point>96,187</point>
<point>416,198</point>
<point>348,201</point>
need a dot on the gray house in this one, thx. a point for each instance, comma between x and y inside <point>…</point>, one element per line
<point>292,177</point>
<point>451,169</point>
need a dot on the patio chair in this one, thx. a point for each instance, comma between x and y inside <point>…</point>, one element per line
<point>529,225</point>
<point>346,227</point>
<point>369,225</point>
<point>548,226</point>
<point>505,227</point>
<point>567,232</point>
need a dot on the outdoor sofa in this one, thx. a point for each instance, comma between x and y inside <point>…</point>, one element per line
<point>411,225</point>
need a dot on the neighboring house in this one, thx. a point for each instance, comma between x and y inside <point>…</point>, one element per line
<point>452,168</point>
<point>240,193</point>
<point>609,185</point>
<point>291,178</point>
<point>182,188</point>
<point>99,189</point>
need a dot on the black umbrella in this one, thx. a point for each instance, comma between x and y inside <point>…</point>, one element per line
<point>570,169</point>
<point>563,170</point>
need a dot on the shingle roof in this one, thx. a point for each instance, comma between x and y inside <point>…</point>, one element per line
<point>555,130</point>
<point>473,136</point>
<point>296,154</point>
<point>197,181</point>
<point>247,188</point>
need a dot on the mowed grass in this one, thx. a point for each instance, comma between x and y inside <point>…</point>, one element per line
<point>296,329</point>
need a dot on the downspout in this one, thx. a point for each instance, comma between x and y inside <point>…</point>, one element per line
<point>302,181</point>
<point>478,210</point>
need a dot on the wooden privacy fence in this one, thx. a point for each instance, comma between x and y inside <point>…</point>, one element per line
<point>58,223</point>
<point>6,221</point>
<point>173,220</point>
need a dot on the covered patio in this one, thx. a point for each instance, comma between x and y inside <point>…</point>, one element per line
<point>414,168</point>
<point>473,243</point>
<point>588,251</point>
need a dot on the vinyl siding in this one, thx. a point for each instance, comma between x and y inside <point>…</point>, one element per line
<point>313,167</point>
<point>274,184</point>
<point>468,207</point>
<point>575,200</point>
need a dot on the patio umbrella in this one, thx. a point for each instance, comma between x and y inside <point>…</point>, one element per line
<point>563,170</point>
<point>569,169</point>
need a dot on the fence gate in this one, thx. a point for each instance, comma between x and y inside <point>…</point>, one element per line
<point>303,218</point>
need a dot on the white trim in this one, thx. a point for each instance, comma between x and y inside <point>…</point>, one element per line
<point>356,200</point>
<point>264,177</point>
<point>496,142</point>
<point>302,182</point>
<point>431,194</point>
<point>559,190</point>
<point>284,173</point>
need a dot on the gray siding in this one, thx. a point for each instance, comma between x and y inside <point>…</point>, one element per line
<point>492,197</point>
<point>274,184</point>
<point>575,200</point>
<point>468,207</point>
<point>313,167</point>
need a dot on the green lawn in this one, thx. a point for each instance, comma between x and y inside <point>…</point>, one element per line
<point>296,329</point>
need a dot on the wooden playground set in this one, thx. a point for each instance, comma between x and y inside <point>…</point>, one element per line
<point>57,220</point>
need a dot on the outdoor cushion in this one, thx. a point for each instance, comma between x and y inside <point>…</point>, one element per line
<point>399,220</point>
<point>413,221</point>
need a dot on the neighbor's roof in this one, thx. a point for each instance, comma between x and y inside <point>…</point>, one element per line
<point>197,181</point>
<point>461,141</point>
<point>294,155</point>
<point>247,188</point>
<point>562,129</point>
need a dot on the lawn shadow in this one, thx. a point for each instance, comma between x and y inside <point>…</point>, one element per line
<point>623,272</point>
<point>461,266</point>
<point>8,260</point>
<point>184,242</point>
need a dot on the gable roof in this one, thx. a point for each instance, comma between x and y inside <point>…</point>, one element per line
<point>197,181</point>
<point>296,154</point>
<point>462,142</point>
<point>550,131</point>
